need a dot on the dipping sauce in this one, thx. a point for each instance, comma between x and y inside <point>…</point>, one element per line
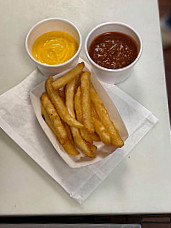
<point>54,47</point>
<point>113,50</point>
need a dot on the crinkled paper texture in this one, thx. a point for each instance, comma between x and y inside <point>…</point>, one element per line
<point>20,123</point>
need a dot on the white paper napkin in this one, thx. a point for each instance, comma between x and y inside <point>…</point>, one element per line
<point>19,122</point>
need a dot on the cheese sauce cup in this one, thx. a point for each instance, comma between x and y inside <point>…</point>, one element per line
<point>108,75</point>
<point>48,26</point>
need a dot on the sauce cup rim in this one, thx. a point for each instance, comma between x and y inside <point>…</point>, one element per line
<point>108,69</point>
<point>49,19</point>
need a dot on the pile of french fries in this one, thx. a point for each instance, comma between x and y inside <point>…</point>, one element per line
<point>75,113</point>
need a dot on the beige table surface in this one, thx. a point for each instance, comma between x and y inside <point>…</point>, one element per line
<point>142,182</point>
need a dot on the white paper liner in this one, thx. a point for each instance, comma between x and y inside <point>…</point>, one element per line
<point>18,120</point>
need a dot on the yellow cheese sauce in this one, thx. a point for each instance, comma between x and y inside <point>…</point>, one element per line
<point>54,47</point>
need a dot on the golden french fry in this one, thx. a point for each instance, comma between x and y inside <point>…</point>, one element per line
<point>92,146</point>
<point>59,105</point>
<point>86,102</point>
<point>62,94</point>
<point>62,81</point>
<point>70,148</point>
<point>102,132</point>
<point>79,141</point>
<point>85,135</point>
<point>68,130</point>
<point>104,117</point>
<point>78,110</point>
<point>100,128</point>
<point>66,143</point>
<point>47,119</point>
<point>95,137</point>
<point>54,118</point>
<point>69,96</point>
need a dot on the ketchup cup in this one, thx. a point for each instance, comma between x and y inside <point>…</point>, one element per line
<point>113,76</point>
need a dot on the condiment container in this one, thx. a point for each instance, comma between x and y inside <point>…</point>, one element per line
<point>112,76</point>
<point>53,24</point>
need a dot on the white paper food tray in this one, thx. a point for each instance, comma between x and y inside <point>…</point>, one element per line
<point>102,150</point>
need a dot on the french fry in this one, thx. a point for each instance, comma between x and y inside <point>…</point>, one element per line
<point>62,81</point>
<point>95,137</point>
<point>70,148</point>
<point>52,119</point>
<point>78,110</point>
<point>62,94</point>
<point>92,146</point>
<point>79,141</point>
<point>69,96</point>
<point>59,105</point>
<point>47,119</point>
<point>100,128</point>
<point>86,102</point>
<point>67,127</point>
<point>68,130</point>
<point>104,117</point>
<point>81,144</point>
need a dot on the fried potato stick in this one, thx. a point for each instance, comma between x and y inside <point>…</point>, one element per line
<point>100,128</point>
<point>69,96</point>
<point>104,117</point>
<point>68,145</point>
<point>59,105</point>
<point>48,121</point>
<point>95,137</point>
<point>68,130</point>
<point>62,94</point>
<point>92,146</point>
<point>86,102</point>
<point>52,118</point>
<point>79,141</point>
<point>81,144</point>
<point>78,110</point>
<point>62,81</point>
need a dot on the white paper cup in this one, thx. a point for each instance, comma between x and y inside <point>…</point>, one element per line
<point>112,76</point>
<point>53,24</point>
